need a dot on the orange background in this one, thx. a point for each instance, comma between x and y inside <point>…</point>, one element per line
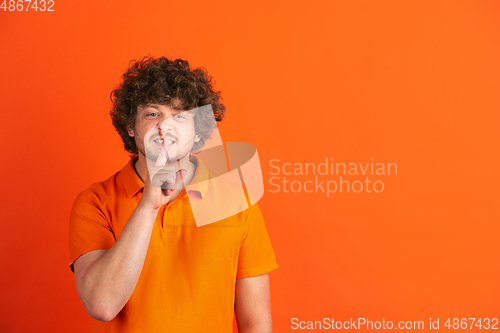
<point>413,83</point>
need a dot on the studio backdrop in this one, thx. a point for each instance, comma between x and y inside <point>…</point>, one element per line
<point>377,130</point>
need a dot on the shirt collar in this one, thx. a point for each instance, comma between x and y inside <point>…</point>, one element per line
<point>133,183</point>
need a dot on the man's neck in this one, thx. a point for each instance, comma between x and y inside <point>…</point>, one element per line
<point>141,168</point>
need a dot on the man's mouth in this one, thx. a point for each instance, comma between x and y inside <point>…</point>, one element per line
<point>169,141</point>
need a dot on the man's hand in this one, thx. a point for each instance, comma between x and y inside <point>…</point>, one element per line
<point>161,180</point>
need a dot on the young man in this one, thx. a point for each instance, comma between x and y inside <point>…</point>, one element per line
<point>141,263</point>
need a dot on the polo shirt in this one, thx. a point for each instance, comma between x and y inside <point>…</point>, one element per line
<point>187,283</point>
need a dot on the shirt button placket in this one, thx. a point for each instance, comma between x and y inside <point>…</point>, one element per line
<point>169,227</point>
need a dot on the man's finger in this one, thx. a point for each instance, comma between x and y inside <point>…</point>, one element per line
<point>162,179</point>
<point>162,157</point>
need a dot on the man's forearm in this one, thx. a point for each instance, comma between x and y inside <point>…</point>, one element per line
<point>262,328</point>
<point>109,282</point>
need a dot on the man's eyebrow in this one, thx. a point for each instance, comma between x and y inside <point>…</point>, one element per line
<point>191,111</point>
<point>151,106</point>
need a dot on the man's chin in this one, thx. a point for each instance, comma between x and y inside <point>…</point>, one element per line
<point>152,158</point>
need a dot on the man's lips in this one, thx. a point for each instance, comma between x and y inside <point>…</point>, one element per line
<point>170,141</point>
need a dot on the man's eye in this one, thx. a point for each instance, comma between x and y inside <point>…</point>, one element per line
<point>153,114</point>
<point>179,116</point>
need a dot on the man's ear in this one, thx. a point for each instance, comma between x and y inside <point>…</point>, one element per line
<point>130,131</point>
<point>197,138</point>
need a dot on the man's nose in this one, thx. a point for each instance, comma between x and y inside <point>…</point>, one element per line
<point>166,125</point>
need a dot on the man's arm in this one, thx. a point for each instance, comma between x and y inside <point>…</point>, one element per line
<point>105,279</point>
<point>253,304</point>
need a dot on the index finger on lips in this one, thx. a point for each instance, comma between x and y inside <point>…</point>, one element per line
<point>163,156</point>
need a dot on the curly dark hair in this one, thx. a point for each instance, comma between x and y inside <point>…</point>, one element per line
<point>159,81</point>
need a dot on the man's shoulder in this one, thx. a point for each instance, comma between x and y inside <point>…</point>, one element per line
<point>102,189</point>
<point>110,187</point>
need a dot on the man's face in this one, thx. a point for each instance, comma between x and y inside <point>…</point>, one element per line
<point>159,126</point>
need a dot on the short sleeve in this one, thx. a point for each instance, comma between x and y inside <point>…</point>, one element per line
<point>256,253</point>
<point>89,229</point>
